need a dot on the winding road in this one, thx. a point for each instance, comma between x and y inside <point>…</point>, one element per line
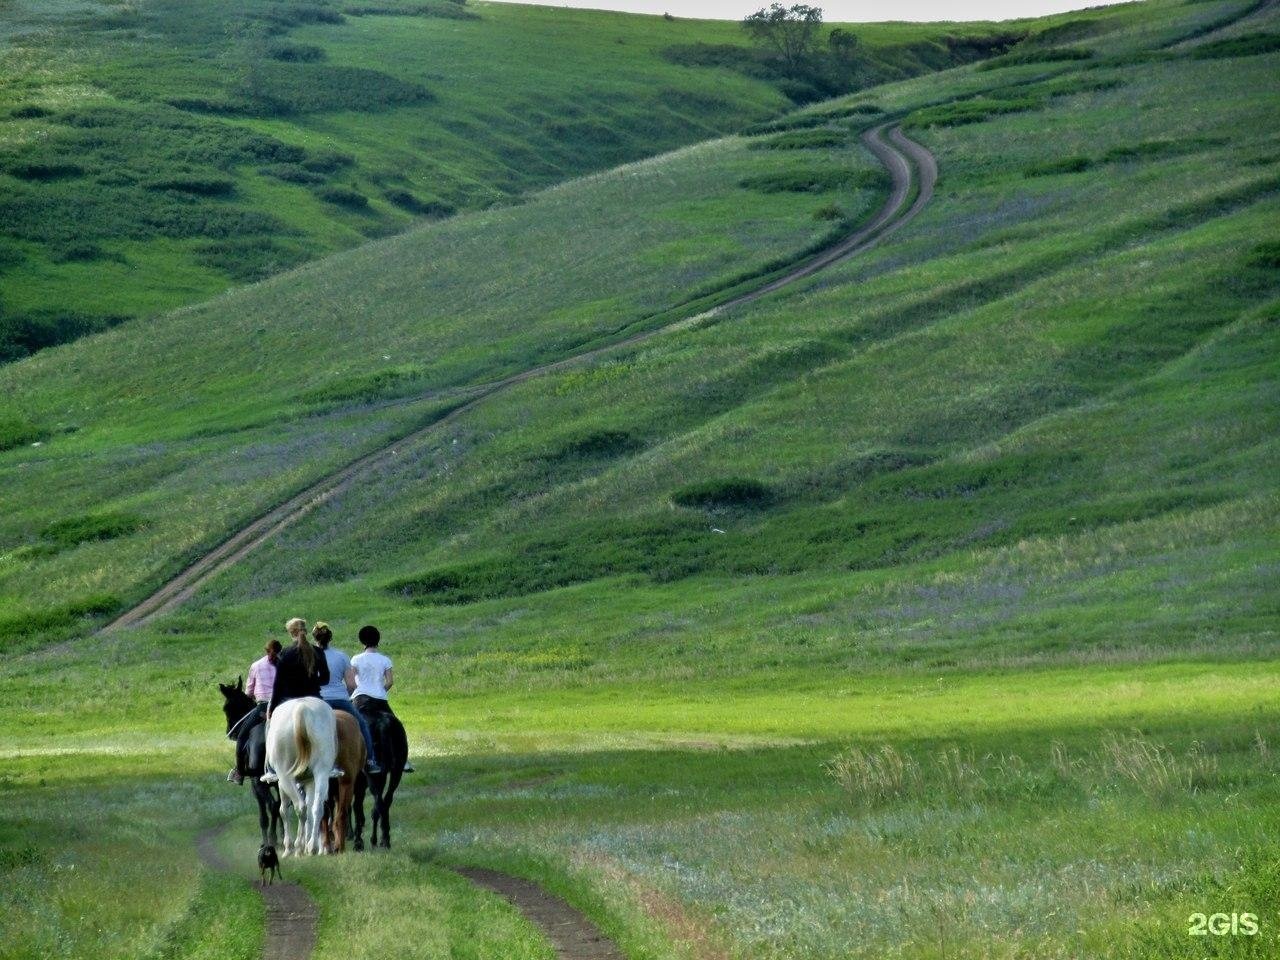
<point>910,166</point>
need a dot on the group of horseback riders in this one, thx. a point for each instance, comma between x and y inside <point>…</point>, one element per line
<point>356,685</point>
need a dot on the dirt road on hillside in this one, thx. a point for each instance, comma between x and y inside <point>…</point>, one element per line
<point>909,165</point>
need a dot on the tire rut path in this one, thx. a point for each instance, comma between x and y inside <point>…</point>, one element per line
<point>898,154</point>
<point>573,936</point>
<point>291,914</point>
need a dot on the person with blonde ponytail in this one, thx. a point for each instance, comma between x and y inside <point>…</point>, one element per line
<point>300,672</point>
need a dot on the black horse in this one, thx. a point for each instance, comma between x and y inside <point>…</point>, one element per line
<point>236,705</point>
<point>392,749</point>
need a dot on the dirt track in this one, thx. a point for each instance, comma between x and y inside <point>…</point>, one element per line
<point>291,913</point>
<point>898,154</point>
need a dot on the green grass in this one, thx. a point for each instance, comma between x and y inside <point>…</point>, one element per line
<point>926,609</point>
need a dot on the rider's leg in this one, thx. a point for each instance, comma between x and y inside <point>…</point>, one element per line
<point>237,775</point>
<point>348,707</point>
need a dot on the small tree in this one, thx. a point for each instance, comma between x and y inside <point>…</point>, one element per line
<point>789,32</point>
<point>842,43</point>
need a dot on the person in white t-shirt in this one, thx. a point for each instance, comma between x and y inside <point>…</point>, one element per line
<point>374,676</point>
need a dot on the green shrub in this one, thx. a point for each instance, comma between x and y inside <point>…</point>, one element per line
<point>296,52</point>
<point>828,211</point>
<point>816,180</point>
<point>1064,165</point>
<point>414,204</point>
<point>29,112</point>
<point>971,111</point>
<point>15,432</point>
<point>59,619</point>
<point>200,185</point>
<point>291,173</point>
<point>802,140</point>
<point>344,197</point>
<point>446,9</point>
<point>87,528</point>
<point>801,121</point>
<point>1266,255</point>
<point>1049,55</point>
<point>1248,45</point>
<point>732,492</point>
<point>597,444</point>
<point>43,171</point>
<point>1153,149</point>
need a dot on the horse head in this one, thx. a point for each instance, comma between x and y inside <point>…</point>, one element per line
<point>235,702</point>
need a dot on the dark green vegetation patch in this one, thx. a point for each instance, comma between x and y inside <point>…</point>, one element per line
<point>802,140</point>
<point>726,493</point>
<point>1249,45</point>
<point>815,180</point>
<point>15,432</point>
<point>73,531</point>
<point>1032,55</point>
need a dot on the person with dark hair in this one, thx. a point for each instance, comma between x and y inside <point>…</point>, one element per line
<point>300,672</point>
<point>260,684</point>
<point>337,692</point>
<point>374,676</point>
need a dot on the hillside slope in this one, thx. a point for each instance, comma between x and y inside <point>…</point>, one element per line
<point>939,585</point>
<point>155,153</point>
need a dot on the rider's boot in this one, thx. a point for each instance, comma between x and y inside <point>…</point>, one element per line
<point>372,767</point>
<point>269,777</point>
<point>235,776</point>
<point>408,767</point>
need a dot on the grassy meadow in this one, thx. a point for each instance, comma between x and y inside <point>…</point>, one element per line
<point>924,609</point>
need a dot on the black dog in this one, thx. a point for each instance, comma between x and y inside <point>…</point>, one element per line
<point>268,864</point>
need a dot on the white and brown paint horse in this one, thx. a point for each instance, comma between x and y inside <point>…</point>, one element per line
<point>302,745</point>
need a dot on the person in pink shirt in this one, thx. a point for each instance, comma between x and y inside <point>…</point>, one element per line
<point>259,685</point>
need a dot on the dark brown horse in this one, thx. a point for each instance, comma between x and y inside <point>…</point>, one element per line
<point>391,747</point>
<point>236,705</point>
<point>351,759</point>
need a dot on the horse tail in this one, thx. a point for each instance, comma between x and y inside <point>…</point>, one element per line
<point>303,744</point>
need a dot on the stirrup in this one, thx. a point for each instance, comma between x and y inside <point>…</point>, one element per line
<point>236,777</point>
<point>269,777</point>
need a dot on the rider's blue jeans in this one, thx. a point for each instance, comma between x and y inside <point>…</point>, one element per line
<point>347,707</point>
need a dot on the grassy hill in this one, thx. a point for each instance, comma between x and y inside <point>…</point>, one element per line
<point>155,153</point>
<point>866,620</point>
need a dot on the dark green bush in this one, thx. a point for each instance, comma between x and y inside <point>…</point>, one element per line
<point>29,111</point>
<point>43,170</point>
<point>801,140</point>
<point>296,52</point>
<point>414,204</point>
<point>731,492</point>
<point>1248,45</point>
<point>828,211</point>
<point>971,111</point>
<point>597,444</point>
<point>1048,55</point>
<point>15,432</point>
<point>1063,165</point>
<point>56,619</point>
<point>327,161</point>
<point>344,197</point>
<point>72,531</point>
<point>815,180</point>
<point>201,185</point>
<point>1266,255</point>
<point>291,173</point>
